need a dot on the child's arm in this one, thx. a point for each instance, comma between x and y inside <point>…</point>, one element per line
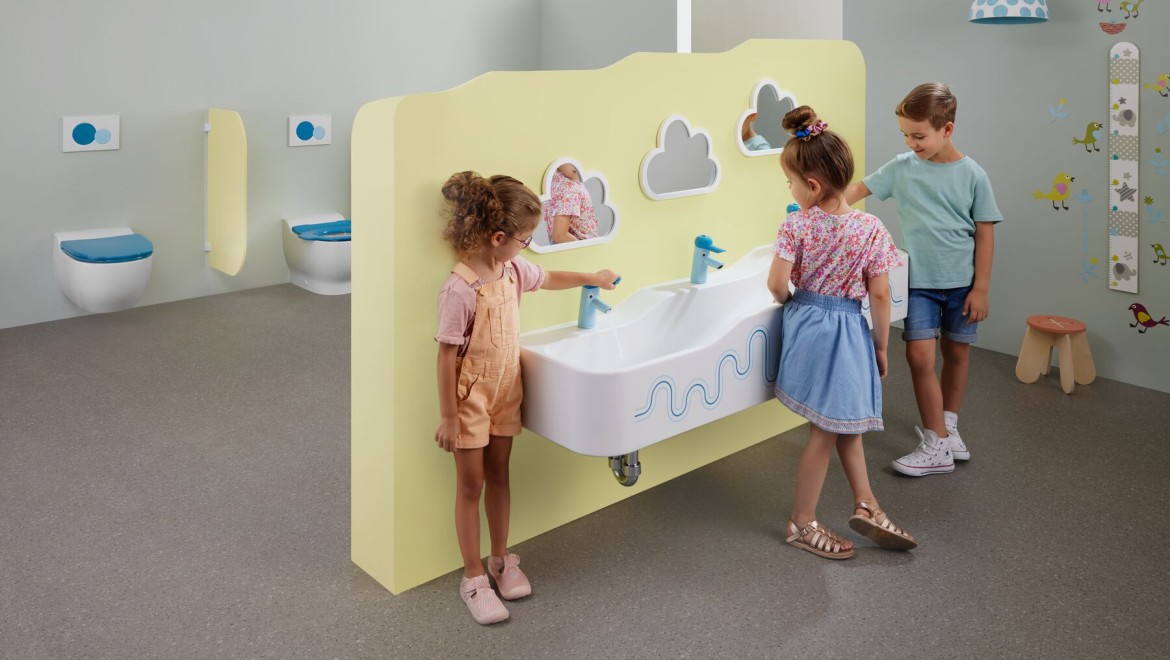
<point>856,191</point>
<point>748,131</point>
<point>778,277</point>
<point>448,377</point>
<point>977,306</point>
<point>561,229</point>
<point>879,313</point>
<point>565,279</point>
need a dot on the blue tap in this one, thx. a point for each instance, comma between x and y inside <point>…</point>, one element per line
<point>704,246</point>
<point>793,207</point>
<point>590,305</point>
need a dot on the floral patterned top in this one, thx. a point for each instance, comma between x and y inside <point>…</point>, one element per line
<point>569,197</point>
<point>834,255</point>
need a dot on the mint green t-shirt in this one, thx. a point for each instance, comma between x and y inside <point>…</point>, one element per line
<point>939,204</point>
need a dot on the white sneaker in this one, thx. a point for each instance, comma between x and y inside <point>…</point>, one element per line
<point>958,450</point>
<point>933,456</point>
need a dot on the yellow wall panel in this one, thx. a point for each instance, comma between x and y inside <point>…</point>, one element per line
<point>517,123</point>
<point>227,191</point>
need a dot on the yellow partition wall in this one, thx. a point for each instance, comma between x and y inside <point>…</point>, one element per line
<point>227,191</point>
<point>517,123</point>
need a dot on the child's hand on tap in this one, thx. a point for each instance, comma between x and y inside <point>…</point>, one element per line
<point>607,279</point>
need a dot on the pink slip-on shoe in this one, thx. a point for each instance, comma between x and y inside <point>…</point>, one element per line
<point>510,580</point>
<point>485,607</point>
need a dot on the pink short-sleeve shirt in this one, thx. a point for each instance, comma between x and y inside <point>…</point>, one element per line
<point>571,198</point>
<point>835,255</point>
<point>457,301</point>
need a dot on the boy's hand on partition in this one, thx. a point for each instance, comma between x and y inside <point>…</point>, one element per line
<point>976,307</point>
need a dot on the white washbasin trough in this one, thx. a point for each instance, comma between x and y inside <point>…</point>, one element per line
<point>669,358</point>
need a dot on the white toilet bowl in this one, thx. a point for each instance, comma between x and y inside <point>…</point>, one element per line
<point>102,270</point>
<point>317,251</point>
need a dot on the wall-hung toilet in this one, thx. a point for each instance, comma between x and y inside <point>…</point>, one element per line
<point>317,251</point>
<point>102,270</point>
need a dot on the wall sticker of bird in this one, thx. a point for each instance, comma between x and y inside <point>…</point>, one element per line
<point>1161,85</point>
<point>1131,8</point>
<point>1059,192</point>
<point>1159,254</point>
<point>1142,319</point>
<point>1092,133</point>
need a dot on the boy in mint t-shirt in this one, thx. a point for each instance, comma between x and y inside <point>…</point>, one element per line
<point>948,211</point>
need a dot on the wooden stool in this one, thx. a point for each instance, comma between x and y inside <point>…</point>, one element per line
<point>1067,336</point>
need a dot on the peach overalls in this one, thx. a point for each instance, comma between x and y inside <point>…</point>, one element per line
<point>489,390</point>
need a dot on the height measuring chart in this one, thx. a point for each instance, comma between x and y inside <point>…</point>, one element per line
<point>1123,167</point>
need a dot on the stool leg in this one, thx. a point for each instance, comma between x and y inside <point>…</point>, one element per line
<point>1064,348</point>
<point>1083,370</point>
<point>1047,360</point>
<point>1033,351</point>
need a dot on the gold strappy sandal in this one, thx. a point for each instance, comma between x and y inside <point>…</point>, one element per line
<point>877,527</point>
<point>823,541</point>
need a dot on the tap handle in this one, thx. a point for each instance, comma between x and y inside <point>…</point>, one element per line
<point>705,242</point>
<point>793,207</point>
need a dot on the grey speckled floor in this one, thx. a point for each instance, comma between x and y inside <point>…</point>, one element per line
<point>174,484</point>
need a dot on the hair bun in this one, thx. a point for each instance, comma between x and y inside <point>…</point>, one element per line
<point>799,118</point>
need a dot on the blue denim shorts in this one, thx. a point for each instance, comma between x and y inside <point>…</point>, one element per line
<point>928,310</point>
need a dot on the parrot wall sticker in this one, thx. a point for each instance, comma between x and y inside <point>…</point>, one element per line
<point>1092,134</point>
<point>1061,187</point>
<point>1124,161</point>
<point>1143,320</point>
<point>1131,9</point>
<point>1159,254</point>
<point>1161,85</point>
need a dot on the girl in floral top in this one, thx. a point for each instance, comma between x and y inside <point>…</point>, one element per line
<point>831,365</point>
<point>569,215</point>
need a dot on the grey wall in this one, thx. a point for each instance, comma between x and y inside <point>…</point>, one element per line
<point>160,65</point>
<point>1006,78</point>
<point>590,35</point>
<point>719,25</point>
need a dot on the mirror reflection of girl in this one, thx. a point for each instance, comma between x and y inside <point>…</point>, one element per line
<point>752,141</point>
<point>569,215</point>
<point>480,390</point>
<point>831,363</point>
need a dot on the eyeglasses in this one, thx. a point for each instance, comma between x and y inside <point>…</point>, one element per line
<point>523,243</point>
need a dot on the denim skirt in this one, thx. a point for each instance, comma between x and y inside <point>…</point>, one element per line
<point>828,370</point>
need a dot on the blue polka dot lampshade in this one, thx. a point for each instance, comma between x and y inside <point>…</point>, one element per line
<point>1008,12</point>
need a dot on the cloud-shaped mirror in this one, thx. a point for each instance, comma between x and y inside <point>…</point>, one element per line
<point>576,209</point>
<point>682,164</point>
<point>760,129</point>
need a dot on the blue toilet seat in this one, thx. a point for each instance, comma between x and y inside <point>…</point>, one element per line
<point>109,250</point>
<point>336,231</point>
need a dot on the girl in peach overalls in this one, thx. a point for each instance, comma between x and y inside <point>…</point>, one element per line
<point>491,220</point>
